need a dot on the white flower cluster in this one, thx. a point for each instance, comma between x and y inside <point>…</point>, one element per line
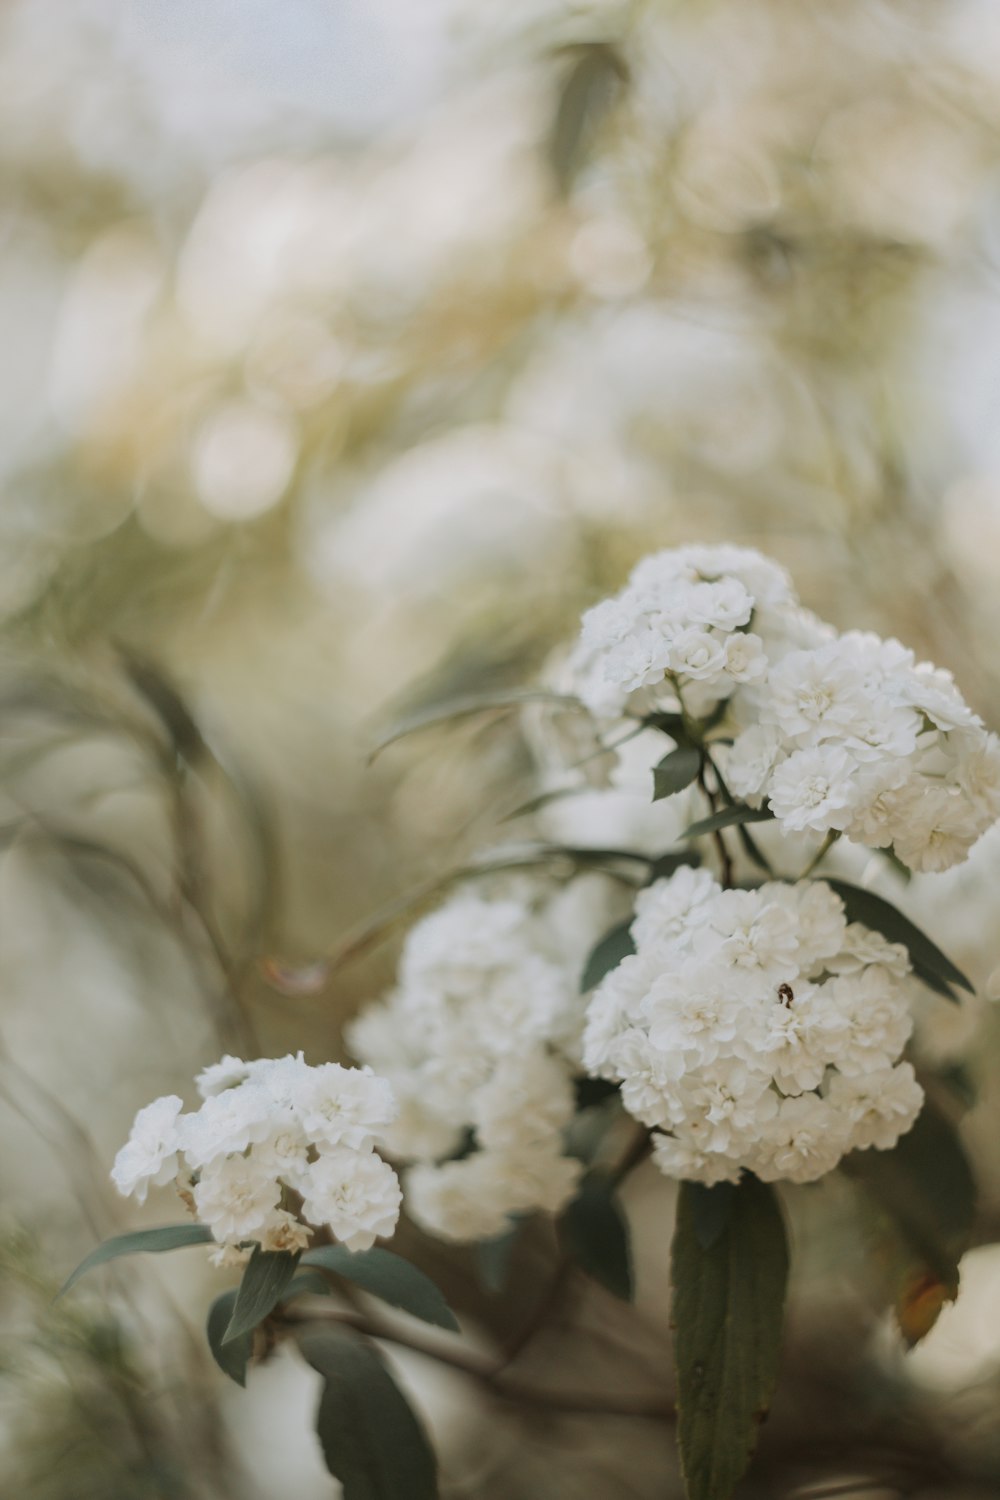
<point>687,626</point>
<point>843,733</point>
<point>755,1029</point>
<point>480,1040</point>
<point>265,1127</point>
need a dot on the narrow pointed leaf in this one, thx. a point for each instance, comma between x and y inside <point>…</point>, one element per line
<point>929,963</point>
<point>607,955</point>
<point>461,708</point>
<point>594,1230</point>
<point>728,817</point>
<point>676,771</point>
<point>668,864</point>
<point>371,1439</point>
<point>388,1277</point>
<point>233,1357</point>
<point>728,1305</point>
<point>264,1283</point>
<point>167,1237</point>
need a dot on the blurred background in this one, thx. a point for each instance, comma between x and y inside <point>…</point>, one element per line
<point>351,348</point>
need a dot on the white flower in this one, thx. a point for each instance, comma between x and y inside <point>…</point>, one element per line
<point>804,1141</point>
<point>356,1193</point>
<point>150,1156</point>
<point>455,1201</point>
<point>745,658</point>
<point>221,1076</point>
<point>339,1106</point>
<point>235,1196</point>
<point>527,1101</point>
<point>814,789</point>
<point>881,1106</point>
<point>227,1124</point>
<point>752,760</point>
<point>664,909</point>
<point>678,1158</point>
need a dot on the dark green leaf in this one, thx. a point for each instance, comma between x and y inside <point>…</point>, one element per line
<point>593,1229</point>
<point>307,1284</point>
<point>493,1257</point>
<point>668,864</point>
<point>371,1439</point>
<point>926,1186</point>
<point>231,1358</point>
<point>461,708</point>
<point>607,955</point>
<point>728,1303</point>
<point>586,95</point>
<point>676,771</point>
<point>167,1237</point>
<point>729,817</point>
<point>590,1091</point>
<point>711,1208</point>
<point>264,1283</point>
<point>672,724</point>
<point>929,963</point>
<point>388,1277</point>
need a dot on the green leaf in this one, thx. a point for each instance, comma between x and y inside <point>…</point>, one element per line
<point>594,1230</point>
<point>167,1237</point>
<point>729,817</point>
<point>929,963</point>
<point>371,1439</point>
<point>493,1257</point>
<point>388,1277</point>
<point>462,708</point>
<point>665,865</point>
<point>233,1357</point>
<point>728,1303</point>
<point>676,771</point>
<point>672,724</point>
<point>607,955</point>
<point>711,1208</point>
<point>925,1185</point>
<point>264,1283</point>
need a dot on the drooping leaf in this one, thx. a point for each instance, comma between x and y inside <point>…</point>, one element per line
<point>232,1357</point>
<point>594,1230</point>
<point>307,1284</point>
<point>265,1280</point>
<point>388,1277</point>
<point>371,1439</point>
<point>607,955</point>
<point>587,92</point>
<point>925,1186</point>
<point>676,771</point>
<point>728,817</point>
<point>728,1304</point>
<point>462,708</point>
<point>665,865</point>
<point>167,1237</point>
<point>544,799</point>
<point>929,963</point>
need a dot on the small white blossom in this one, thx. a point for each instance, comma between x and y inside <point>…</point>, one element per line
<point>356,1193</point>
<point>149,1158</point>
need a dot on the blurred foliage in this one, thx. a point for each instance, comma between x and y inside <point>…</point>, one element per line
<point>322,401</point>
